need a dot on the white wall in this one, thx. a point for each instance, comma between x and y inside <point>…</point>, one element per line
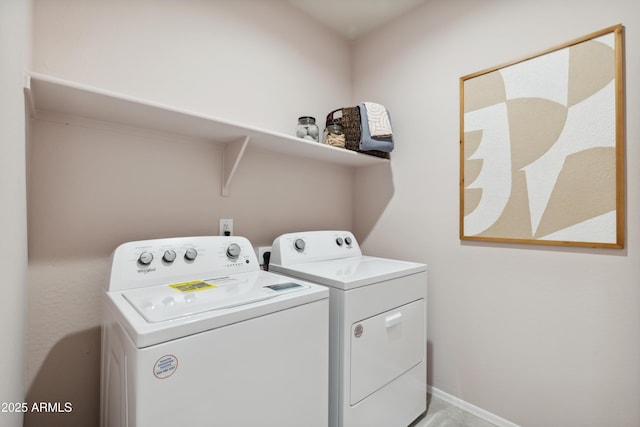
<point>541,336</point>
<point>96,185</point>
<point>258,62</point>
<point>14,54</point>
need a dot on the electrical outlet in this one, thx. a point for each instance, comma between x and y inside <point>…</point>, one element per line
<point>226,227</point>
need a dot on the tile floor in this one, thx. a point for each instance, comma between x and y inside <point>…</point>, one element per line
<point>443,414</point>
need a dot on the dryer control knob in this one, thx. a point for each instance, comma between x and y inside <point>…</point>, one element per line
<point>339,241</point>
<point>145,258</point>
<point>169,256</point>
<point>233,251</point>
<point>190,254</point>
<point>347,240</point>
<point>299,245</point>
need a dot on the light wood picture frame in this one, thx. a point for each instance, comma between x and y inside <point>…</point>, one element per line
<point>542,147</point>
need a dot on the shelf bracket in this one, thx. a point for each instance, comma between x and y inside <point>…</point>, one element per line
<point>231,155</point>
<point>28,96</point>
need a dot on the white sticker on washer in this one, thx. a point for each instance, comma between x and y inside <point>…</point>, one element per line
<point>166,366</point>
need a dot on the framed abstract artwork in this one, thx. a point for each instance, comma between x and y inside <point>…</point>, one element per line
<point>542,147</point>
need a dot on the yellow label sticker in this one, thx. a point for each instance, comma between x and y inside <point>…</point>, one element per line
<point>193,286</point>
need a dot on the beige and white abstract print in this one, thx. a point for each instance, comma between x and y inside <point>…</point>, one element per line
<point>539,148</point>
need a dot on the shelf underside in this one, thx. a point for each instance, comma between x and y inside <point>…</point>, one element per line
<point>63,97</point>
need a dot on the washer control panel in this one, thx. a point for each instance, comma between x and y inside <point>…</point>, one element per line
<point>148,262</point>
<point>311,246</point>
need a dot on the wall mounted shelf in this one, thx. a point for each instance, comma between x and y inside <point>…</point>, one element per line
<point>46,93</point>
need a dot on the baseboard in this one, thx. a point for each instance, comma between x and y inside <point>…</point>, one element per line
<point>472,409</point>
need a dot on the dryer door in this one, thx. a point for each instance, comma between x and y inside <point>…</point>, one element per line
<point>385,346</point>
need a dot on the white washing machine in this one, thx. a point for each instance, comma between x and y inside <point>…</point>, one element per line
<point>195,334</point>
<point>377,329</point>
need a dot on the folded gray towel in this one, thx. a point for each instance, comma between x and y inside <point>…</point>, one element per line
<point>368,142</point>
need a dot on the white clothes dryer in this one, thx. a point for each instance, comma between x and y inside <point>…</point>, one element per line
<point>195,334</point>
<point>377,326</point>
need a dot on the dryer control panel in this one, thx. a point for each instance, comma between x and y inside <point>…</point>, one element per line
<point>313,246</point>
<point>149,262</point>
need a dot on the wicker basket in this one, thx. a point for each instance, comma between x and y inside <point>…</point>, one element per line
<point>350,122</point>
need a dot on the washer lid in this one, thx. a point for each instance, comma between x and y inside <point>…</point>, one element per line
<point>348,273</point>
<point>235,299</point>
<point>172,301</point>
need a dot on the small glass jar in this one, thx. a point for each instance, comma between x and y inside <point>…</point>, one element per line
<point>307,128</point>
<point>334,135</point>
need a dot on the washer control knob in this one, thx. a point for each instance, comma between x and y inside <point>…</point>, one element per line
<point>299,245</point>
<point>190,254</point>
<point>348,240</point>
<point>233,251</point>
<point>145,258</point>
<point>169,256</point>
<point>339,241</point>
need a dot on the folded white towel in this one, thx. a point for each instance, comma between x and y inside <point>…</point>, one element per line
<point>379,123</point>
